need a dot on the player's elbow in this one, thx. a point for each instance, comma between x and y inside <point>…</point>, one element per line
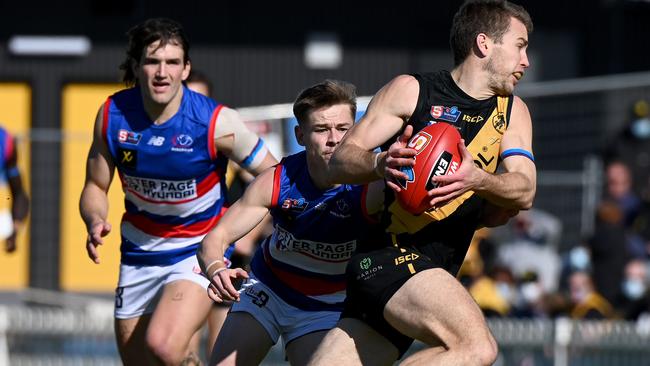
<point>526,200</point>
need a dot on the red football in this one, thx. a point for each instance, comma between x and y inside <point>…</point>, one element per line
<point>437,154</point>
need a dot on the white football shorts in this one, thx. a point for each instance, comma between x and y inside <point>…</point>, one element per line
<point>140,287</point>
<point>278,317</point>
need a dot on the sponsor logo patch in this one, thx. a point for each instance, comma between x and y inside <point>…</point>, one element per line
<point>342,209</point>
<point>182,143</point>
<point>499,123</point>
<point>128,158</point>
<point>161,190</point>
<point>449,114</point>
<point>472,119</point>
<point>295,205</point>
<point>156,141</point>
<point>406,258</point>
<point>129,137</point>
<point>329,252</point>
<point>368,270</point>
<point>443,165</point>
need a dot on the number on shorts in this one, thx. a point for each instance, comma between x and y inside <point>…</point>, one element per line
<point>261,299</point>
<point>118,297</point>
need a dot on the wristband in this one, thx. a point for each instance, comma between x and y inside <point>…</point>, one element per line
<point>216,272</point>
<point>521,152</point>
<point>376,165</point>
<point>207,268</point>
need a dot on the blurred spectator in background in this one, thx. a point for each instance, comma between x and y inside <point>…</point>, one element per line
<point>531,246</point>
<point>636,296</point>
<point>641,225</point>
<point>619,190</point>
<point>496,292</point>
<point>9,174</point>
<point>586,302</point>
<point>238,178</point>
<point>632,145</point>
<point>609,250</point>
<point>532,295</point>
<point>480,255</point>
<point>535,225</point>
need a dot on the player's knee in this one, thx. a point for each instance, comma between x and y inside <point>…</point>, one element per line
<point>164,348</point>
<point>484,352</point>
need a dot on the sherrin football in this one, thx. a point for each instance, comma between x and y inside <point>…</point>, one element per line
<point>437,154</point>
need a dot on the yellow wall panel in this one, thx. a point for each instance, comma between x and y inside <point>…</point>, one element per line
<point>15,116</point>
<point>78,273</point>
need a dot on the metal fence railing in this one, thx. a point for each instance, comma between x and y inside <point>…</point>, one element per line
<point>66,336</point>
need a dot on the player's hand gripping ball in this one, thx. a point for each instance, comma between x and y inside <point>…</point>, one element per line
<point>437,154</point>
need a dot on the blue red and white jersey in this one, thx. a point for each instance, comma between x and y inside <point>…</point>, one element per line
<point>172,177</point>
<point>315,234</point>
<point>6,149</point>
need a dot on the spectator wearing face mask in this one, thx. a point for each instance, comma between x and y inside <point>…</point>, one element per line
<point>496,292</point>
<point>532,297</point>
<point>586,302</point>
<point>635,294</point>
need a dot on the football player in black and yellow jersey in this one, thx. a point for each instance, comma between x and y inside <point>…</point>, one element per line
<point>401,284</point>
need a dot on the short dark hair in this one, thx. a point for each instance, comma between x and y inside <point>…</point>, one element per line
<point>142,35</point>
<point>324,94</point>
<point>491,17</point>
<point>197,76</point>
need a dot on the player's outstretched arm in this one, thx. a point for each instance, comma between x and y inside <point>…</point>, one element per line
<point>513,189</point>
<point>354,160</point>
<point>238,143</point>
<point>93,204</point>
<point>240,218</point>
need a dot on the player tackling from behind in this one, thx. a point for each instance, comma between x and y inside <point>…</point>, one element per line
<point>402,287</point>
<point>297,282</point>
<point>170,147</point>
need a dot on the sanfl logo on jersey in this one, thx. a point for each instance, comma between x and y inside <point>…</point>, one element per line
<point>449,114</point>
<point>128,137</point>
<point>297,205</point>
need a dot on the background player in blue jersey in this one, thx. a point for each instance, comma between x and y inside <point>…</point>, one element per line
<point>296,286</point>
<point>199,83</point>
<point>170,147</point>
<point>413,293</point>
<point>11,175</point>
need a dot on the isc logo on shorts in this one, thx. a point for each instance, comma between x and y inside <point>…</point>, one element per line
<point>406,258</point>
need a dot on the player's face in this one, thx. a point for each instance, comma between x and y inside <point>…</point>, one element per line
<point>324,131</point>
<point>161,72</point>
<point>508,61</point>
